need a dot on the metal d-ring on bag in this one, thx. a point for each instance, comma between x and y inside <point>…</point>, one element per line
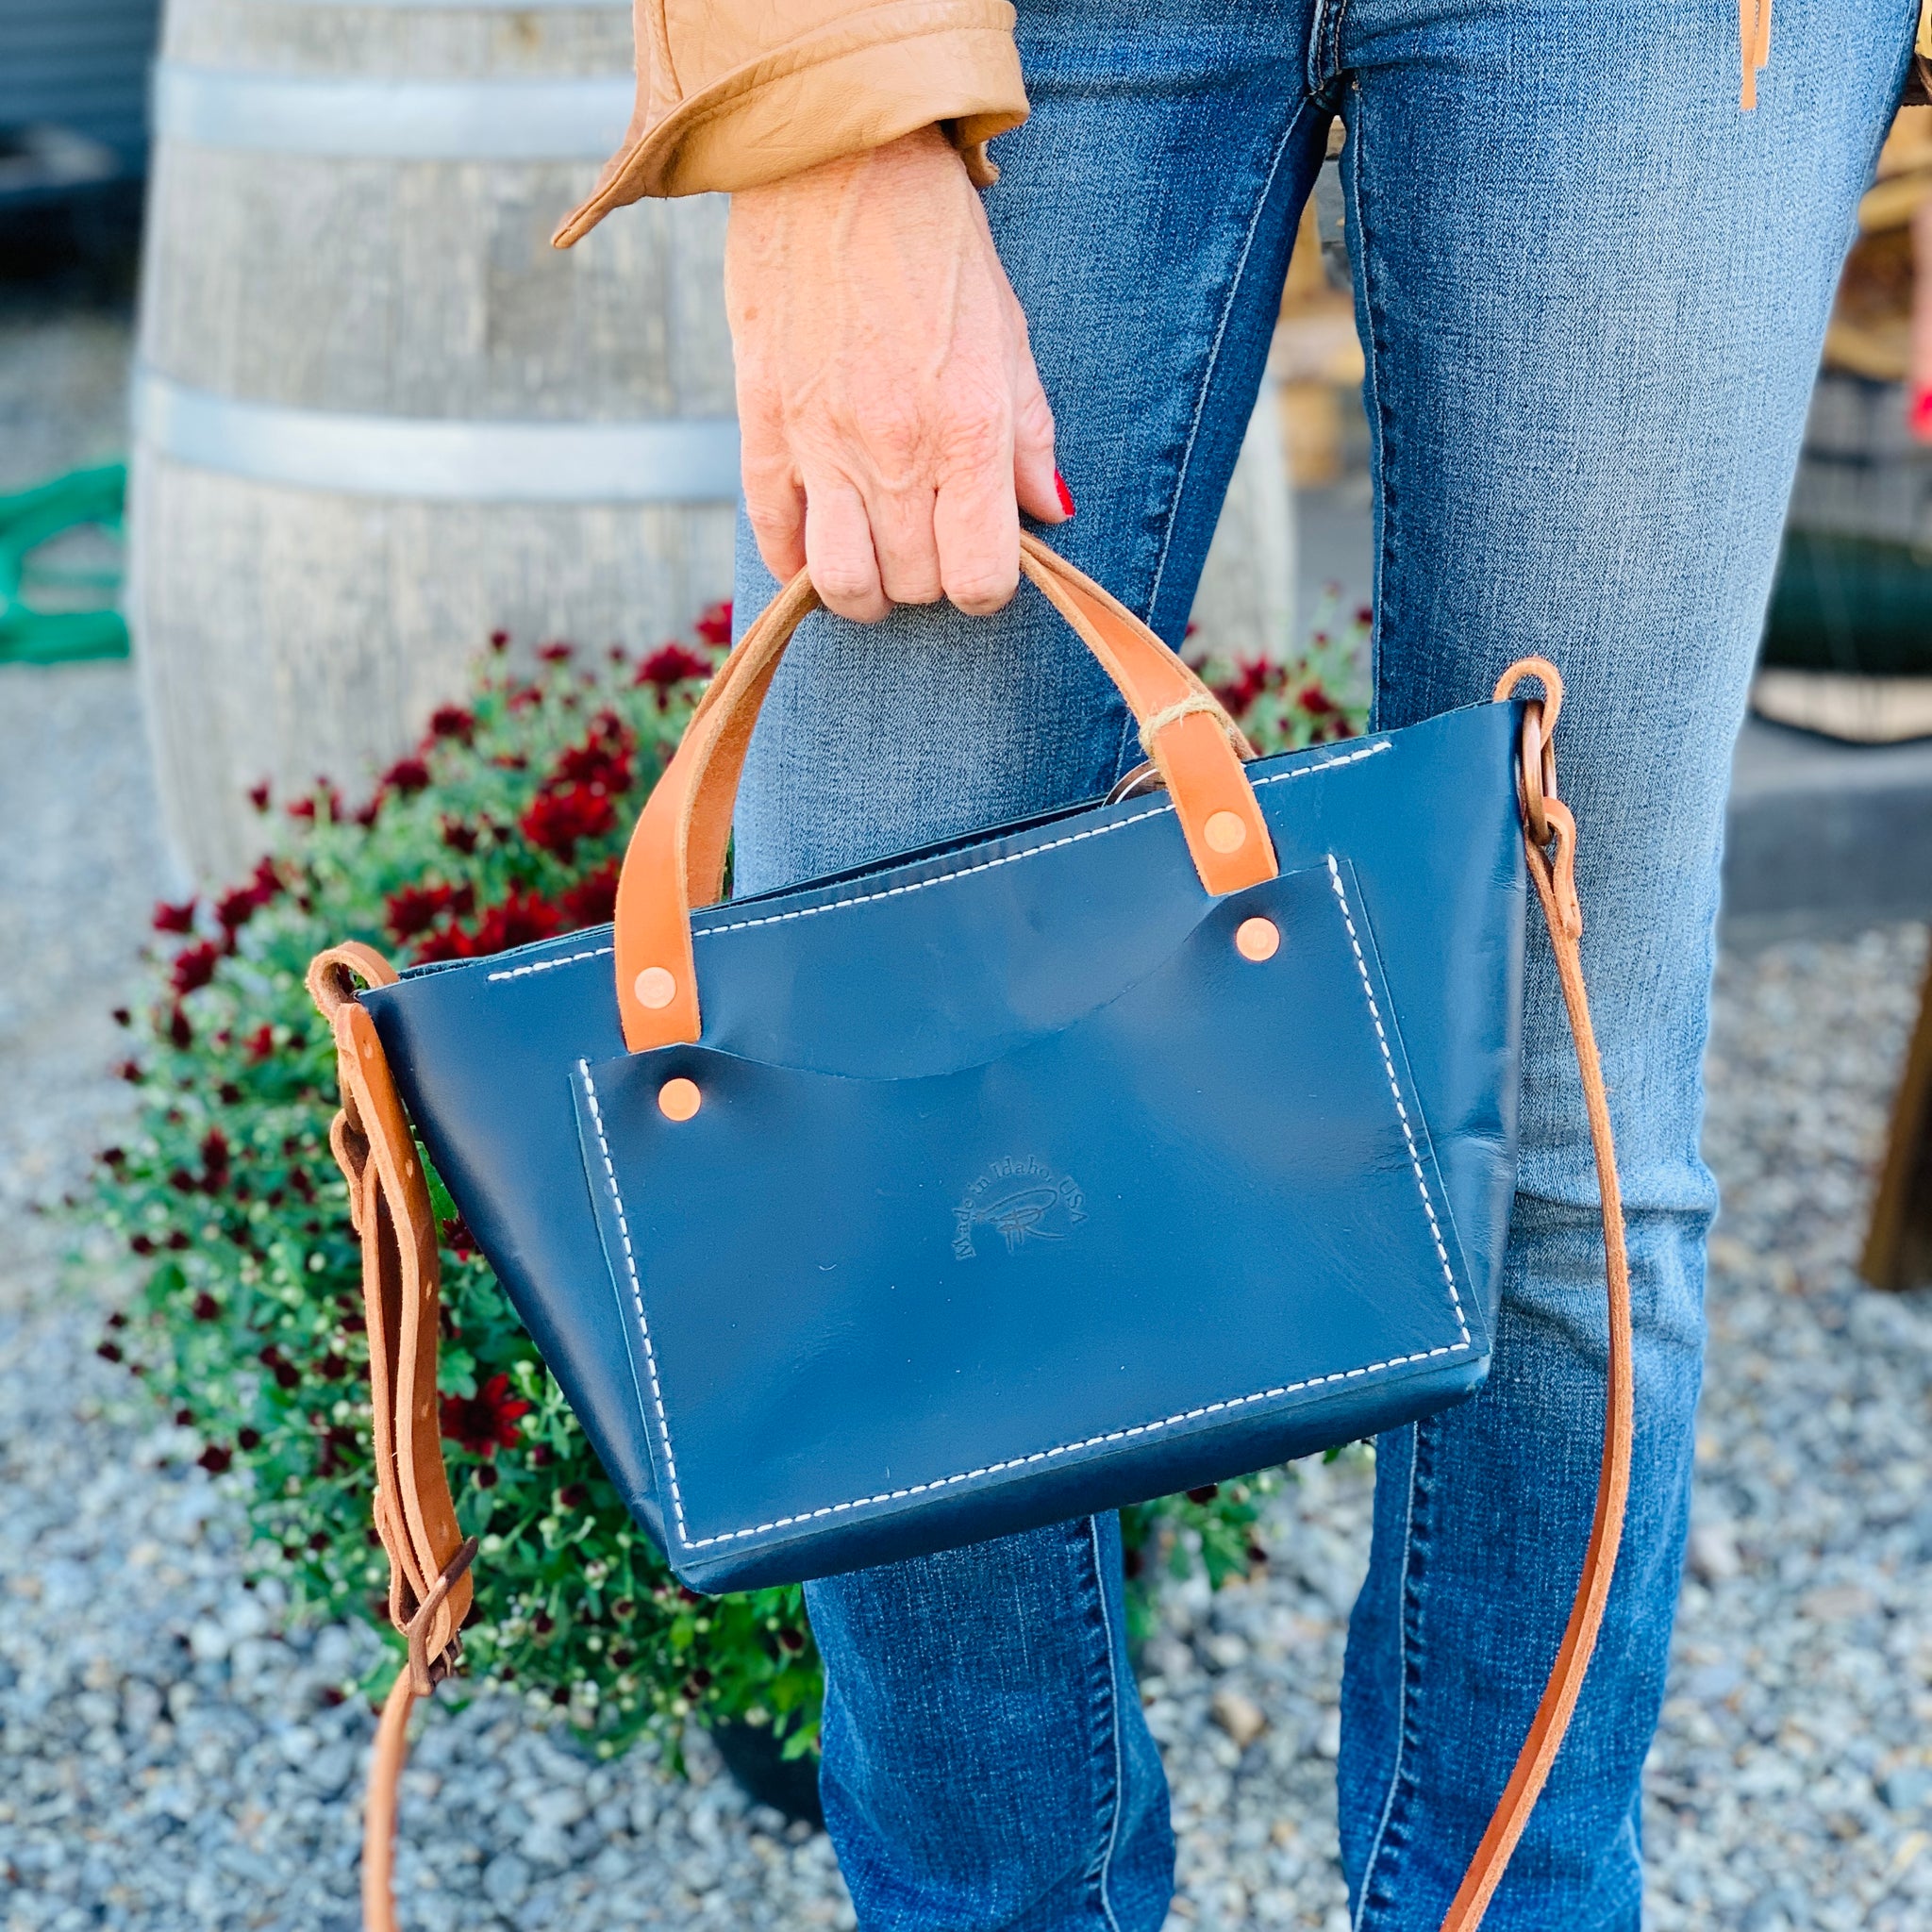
<point>1118,1152</point>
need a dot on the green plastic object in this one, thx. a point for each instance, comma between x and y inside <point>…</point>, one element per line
<point>1854,604</point>
<point>29,634</point>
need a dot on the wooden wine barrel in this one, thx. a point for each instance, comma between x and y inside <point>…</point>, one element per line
<point>1245,606</point>
<point>376,415</point>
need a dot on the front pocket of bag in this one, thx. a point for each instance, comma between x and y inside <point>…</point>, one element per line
<point>1213,1195</point>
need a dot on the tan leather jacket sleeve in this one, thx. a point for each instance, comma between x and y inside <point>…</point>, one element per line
<point>735,92</point>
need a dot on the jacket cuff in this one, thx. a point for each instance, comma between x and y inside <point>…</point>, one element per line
<point>857,85</point>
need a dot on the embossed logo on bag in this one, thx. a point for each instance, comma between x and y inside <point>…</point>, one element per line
<point>1022,1200</point>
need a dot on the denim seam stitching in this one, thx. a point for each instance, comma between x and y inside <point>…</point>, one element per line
<point>1377,405</point>
<point>1367,751</point>
<point>1113,1705</point>
<point>1240,268</point>
<point>1038,1456</point>
<point>1402,1693</point>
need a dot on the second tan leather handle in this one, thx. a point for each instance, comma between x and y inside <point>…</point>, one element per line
<point>676,855</point>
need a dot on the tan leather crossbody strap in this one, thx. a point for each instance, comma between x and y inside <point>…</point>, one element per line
<point>1553,874</point>
<point>430,1558</point>
<point>429,1590</point>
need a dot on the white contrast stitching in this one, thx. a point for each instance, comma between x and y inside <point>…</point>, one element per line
<point>1039,1455</point>
<point>705,932</point>
<point>1353,757</point>
<point>637,1293</point>
<point>1401,1111</point>
<point>545,965</point>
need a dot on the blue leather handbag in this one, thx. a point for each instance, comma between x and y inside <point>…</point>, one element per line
<point>1114,1152</point>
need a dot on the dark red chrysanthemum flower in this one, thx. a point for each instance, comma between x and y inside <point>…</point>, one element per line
<point>174,918</point>
<point>415,908</point>
<point>458,837</point>
<point>487,1420</point>
<point>602,761</point>
<point>215,1459</point>
<point>325,802</point>
<point>193,967</point>
<point>1252,677</point>
<point>235,908</point>
<point>714,622</point>
<point>518,920</point>
<point>214,1160</point>
<point>452,721</point>
<point>457,1238</point>
<point>406,775</point>
<point>593,899</point>
<point>261,1043</point>
<point>206,1306</point>
<point>432,948</point>
<point>559,818</point>
<point>556,653</point>
<point>499,640</point>
<point>179,1032</point>
<point>257,795</point>
<point>672,664</point>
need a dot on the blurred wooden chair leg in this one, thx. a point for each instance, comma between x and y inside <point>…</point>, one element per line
<point>1898,1247</point>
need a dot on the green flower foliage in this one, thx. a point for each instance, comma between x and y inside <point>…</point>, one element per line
<point>505,825</point>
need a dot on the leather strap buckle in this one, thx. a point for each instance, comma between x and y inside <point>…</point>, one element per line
<point>426,1671</point>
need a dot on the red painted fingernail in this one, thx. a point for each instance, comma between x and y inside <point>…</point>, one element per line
<point>1921,414</point>
<point>1060,483</point>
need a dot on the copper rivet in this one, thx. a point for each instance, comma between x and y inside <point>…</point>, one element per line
<point>1257,938</point>
<point>1225,832</point>
<point>654,987</point>
<point>677,1100</point>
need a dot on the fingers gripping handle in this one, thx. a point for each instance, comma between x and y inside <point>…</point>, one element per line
<point>677,855</point>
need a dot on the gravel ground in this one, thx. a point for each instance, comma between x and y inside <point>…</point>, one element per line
<point>172,1755</point>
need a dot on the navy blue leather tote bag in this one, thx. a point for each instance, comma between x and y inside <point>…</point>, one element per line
<point>1111,1153</point>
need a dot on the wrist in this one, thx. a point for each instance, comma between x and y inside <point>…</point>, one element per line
<point>920,161</point>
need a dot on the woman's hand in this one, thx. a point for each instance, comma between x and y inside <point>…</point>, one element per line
<point>894,425</point>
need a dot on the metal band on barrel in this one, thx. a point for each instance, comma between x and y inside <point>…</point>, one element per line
<point>436,459</point>
<point>560,118</point>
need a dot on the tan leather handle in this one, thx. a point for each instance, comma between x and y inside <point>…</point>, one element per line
<point>676,855</point>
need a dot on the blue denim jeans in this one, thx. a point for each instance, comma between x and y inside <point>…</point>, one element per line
<point>1593,295</point>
